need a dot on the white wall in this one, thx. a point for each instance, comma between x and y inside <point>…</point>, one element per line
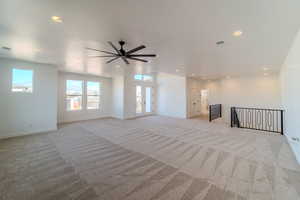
<point>247,91</point>
<point>171,95</point>
<point>27,113</point>
<point>84,114</point>
<point>290,86</point>
<point>118,96</point>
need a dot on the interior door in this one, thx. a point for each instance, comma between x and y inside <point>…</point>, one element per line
<point>144,100</point>
<point>195,102</point>
<point>204,102</point>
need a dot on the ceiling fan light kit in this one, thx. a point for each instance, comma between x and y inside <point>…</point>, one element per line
<point>123,54</point>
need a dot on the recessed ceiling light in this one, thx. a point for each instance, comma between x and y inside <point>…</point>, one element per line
<point>237,33</point>
<point>265,68</point>
<point>56,19</point>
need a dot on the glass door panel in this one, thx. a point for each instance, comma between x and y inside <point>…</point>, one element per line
<point>148,100</point>
<point>139,100</point>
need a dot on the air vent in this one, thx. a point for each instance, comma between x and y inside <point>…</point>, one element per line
<point>220,42</point>
<point>6,48</point>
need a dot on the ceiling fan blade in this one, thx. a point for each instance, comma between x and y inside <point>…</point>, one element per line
<point>125,60</point>
<point>102,51</point>
<point>103,56</point>
<point>137,59</point>
<point>135,49</point>
<point>115,48</point>
<point>112,59</point>
<point>142,55</point>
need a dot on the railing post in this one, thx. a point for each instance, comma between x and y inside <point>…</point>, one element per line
<point>231,116</point>
<point>209,113</point>
<point>281,114</point>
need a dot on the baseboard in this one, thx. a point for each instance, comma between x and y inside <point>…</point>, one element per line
<point>84,120</point>
<point>136,117</point>
<point>175,117</point>
<point>295,148</point>
<point>23,134</point>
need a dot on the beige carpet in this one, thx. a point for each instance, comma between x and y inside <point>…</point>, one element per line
<point>147,159</point>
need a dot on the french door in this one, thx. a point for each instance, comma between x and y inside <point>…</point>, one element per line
<point>144,100</point>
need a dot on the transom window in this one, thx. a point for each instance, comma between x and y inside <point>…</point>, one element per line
<point>22,80</point>
<point>74,94</point>
<point>143,77</point>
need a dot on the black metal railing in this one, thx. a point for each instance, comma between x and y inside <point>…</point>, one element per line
<point>270,120</point>
<point>215,111</point>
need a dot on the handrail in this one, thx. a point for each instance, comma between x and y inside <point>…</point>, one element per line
<point>263,119</point>
<point>260,109</point>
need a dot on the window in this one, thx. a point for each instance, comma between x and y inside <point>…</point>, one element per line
<point>138,77</point>
<point>22,80</point>
<point>142,77</point>
<point>93,95</point>
<point>74,95</point>
<point>147,78</point>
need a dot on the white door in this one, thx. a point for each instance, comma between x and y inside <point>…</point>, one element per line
<point>204,102</point>
<point>195,102</point>
<point>144,100</point>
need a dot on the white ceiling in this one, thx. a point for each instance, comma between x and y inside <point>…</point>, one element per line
<point>182,33</point>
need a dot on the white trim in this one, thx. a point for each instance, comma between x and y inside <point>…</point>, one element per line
<point>295,146</point>
<point>21,134</point>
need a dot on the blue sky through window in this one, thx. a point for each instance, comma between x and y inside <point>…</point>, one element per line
<point>74,87</point>
<point>93,88</point>
<point>22,77</point>
<point>142,77</point>
<point>138,77</point>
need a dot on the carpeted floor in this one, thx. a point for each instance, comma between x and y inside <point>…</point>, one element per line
<point>147,159</point>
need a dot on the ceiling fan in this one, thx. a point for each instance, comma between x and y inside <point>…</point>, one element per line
<point>121,53</point>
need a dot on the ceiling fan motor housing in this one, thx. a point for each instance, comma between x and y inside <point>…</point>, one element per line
<point>122,43</point>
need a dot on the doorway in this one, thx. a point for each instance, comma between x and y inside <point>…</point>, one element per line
<point>204,102</point>
<point>195,103</point>
<point>144,100</point>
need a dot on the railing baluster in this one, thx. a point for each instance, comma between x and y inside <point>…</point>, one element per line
<point>215,111</point>
<point>281,113</point>
<point>277,121</point>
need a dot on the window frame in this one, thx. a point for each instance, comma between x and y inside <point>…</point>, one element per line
<point>66,95</point>
<point>12,80</point>
<point>87,95</point>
